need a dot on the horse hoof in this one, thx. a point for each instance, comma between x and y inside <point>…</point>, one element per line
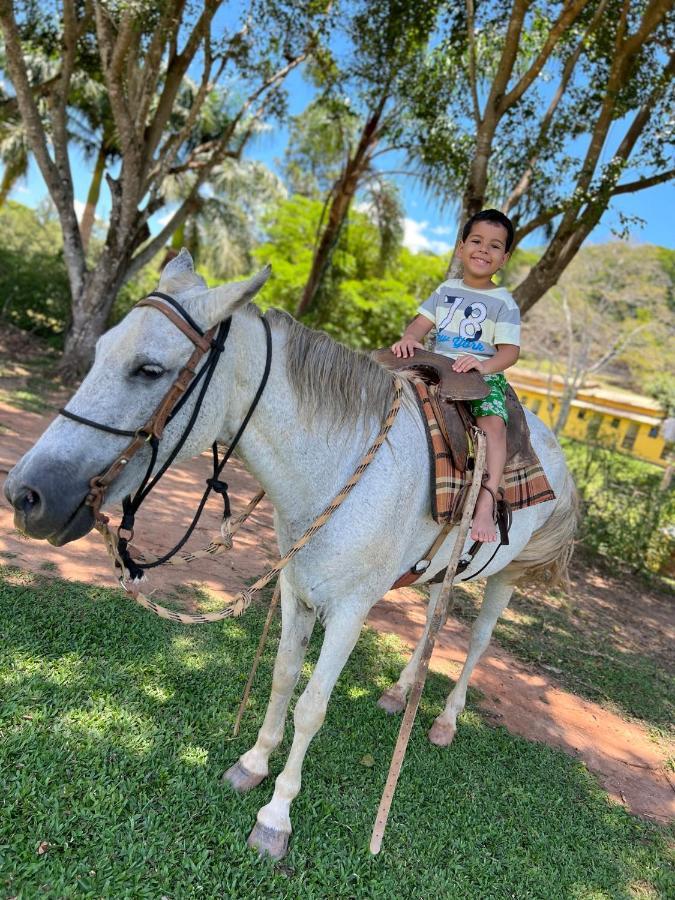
<point>241,779</point>
<point>269,841</point>
<point>392,701</point>
<point>441,734</point>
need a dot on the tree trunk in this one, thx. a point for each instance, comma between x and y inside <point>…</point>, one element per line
<point>564,411</point>
<point>556,258</point>
<point>329,238</point>
<point>89,316</point>
<point>342,198</point>
<point>88,216</point>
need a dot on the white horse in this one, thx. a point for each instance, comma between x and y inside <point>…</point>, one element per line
<point>322,406</point>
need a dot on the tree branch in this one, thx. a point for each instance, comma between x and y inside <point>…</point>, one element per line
<point>124,121</point>
<point>59,190</point>
<point>10,106</point>
<point>568,15</point>
<point>632,186</point>
<point>153,58</point>
<point>470,23</point>
<point>570,64</point>
<point>146,253</point>
<point>174,77</point>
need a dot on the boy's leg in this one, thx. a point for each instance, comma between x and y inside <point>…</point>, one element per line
<point>483,527</point>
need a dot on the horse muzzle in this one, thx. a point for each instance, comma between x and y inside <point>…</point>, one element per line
<point>47,506</point>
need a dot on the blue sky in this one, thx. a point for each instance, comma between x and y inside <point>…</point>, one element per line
<point>429,225</point>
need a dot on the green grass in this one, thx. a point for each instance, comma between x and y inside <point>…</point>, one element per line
<point>116,728</point>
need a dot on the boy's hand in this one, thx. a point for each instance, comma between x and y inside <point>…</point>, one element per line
<point>406,347</point>
<point>466,363</point>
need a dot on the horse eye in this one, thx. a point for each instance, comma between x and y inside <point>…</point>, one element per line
<point>150,370</point>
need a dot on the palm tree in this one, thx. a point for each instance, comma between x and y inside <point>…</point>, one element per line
<point>14,145</point>
<point>92,127</point>
<point>223,228</point>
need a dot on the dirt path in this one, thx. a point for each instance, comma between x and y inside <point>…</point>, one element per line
<point>629,764</point>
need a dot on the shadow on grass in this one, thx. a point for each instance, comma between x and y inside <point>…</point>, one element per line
<point>116,728</point>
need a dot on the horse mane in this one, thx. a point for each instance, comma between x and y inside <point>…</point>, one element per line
<point>344,386</point>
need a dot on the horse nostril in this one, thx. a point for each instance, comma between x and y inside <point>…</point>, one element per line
<point>29,501</point>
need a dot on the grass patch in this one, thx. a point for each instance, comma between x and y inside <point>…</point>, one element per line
<point>116,728</point>
<point>29,399</point>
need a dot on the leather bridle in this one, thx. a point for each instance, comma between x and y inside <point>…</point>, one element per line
<point>208,344</point>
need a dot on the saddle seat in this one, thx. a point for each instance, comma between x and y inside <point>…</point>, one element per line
<point>450,387</point>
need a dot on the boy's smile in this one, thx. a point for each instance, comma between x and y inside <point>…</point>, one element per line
<point>483,253</point>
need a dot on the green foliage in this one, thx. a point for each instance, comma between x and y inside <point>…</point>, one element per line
<point>359,307</point>
<point>612,289</point>
<point>624,511</point>
<point>34,290</point>
<point>319,141</point>
<point>117,727</point>
<point>547,139</point>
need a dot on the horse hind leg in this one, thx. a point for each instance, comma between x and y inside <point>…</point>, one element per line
<point>394,699</point>
<point>497,595</point>
<point>297,623</point>
<point>273,825</point>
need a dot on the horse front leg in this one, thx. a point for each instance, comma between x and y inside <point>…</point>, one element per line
<point>273,826</point>
<point>297,623</point>
<point>497,595</point>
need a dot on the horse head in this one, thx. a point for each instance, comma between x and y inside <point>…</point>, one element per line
<point>136,363</point>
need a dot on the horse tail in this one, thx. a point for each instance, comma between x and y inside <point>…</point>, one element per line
<point>546,556</point>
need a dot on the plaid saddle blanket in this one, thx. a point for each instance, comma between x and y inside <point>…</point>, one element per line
<point>523,486</point>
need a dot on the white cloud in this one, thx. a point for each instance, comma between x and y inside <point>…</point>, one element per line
<point>416,241</point>
<point>442,229</point>
<point>78,205</point>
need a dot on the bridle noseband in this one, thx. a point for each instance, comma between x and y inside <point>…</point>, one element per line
<point>210,344</point>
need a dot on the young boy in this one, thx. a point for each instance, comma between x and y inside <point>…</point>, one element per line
<point>478,325</point>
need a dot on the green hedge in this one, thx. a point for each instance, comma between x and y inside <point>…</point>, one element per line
<point>34,288</point>
<point>34,291</point>
<point>625,513</point>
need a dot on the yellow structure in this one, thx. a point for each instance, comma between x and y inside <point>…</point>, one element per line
<point>616,418</point>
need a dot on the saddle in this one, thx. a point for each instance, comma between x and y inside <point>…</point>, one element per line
<point>450,387</point>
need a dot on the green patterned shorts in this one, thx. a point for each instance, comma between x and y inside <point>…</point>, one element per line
<point>495,402</point>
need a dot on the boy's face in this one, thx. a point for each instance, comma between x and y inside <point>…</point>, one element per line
<point>484,251</point>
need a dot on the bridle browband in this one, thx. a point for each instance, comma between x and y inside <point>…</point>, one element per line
<point>209,344</point>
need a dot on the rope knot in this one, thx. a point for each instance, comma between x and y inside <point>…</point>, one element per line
<point>217,486</point>
<point>220,487</point>
<point>242,602</point>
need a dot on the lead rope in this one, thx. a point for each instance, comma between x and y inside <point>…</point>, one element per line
<point>242,600</point>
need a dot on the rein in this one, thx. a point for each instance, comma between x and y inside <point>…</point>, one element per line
<point>240,603</point>
<point>117,544</point>
<point>152,431</point>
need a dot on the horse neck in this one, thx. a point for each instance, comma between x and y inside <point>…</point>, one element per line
<point>296,464</point>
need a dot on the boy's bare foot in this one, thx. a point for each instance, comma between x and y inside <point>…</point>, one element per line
<point>483,527</point>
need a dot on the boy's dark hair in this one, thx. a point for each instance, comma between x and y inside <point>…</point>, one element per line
<point>491,215</point>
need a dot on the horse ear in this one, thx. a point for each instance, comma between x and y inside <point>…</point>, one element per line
<point>179,275</point>
<point>222,301</point>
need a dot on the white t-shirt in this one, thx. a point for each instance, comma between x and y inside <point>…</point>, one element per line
<point>472,320</point>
